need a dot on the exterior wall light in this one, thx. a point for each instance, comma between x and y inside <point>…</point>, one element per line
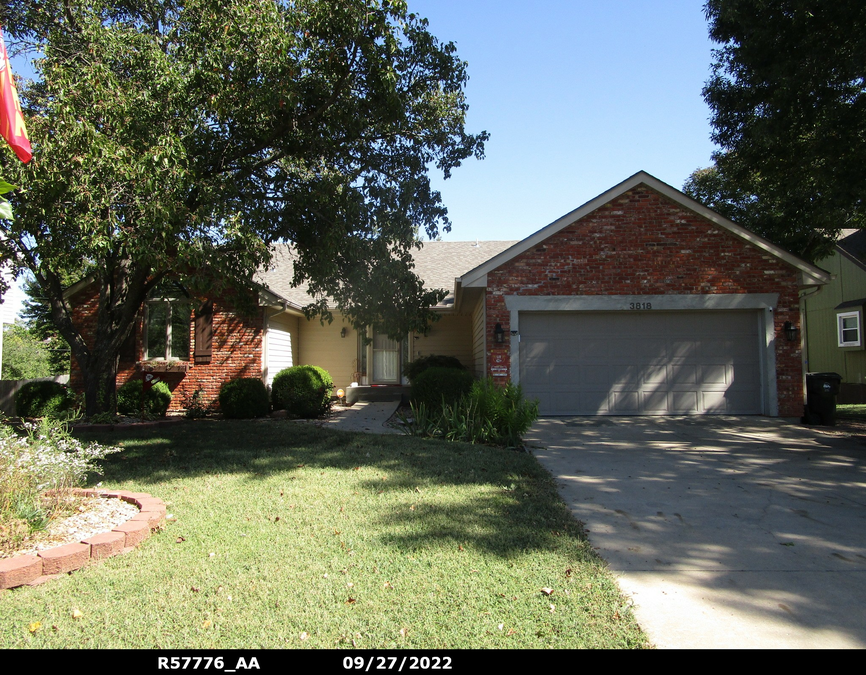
<point>344,332</point>
<point>791,332</point>
<point>498,334</point>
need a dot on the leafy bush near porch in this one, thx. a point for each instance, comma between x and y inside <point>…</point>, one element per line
<point>304,391</point>
<point>244,398</point>
<point>414,368</point>
<point>155,403</point>
<point>438,386</point>
<point>487,414</point>
<point>42,399</point>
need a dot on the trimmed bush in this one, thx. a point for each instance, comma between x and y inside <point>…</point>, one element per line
<point>155,404</point>
<point>304,391</point>
<point>244,398</point>
<point>437,386</point>
<point>42,399</point>
<point>414,368</point>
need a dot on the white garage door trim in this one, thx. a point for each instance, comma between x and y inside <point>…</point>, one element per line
<point>765,302</point>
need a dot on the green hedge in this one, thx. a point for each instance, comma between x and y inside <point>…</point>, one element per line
<point>244,398</point>
<point>304,391</point>
<point>437,386</point>
<point>156,403</point>
<point>42,399</point>
<point>414,368</point>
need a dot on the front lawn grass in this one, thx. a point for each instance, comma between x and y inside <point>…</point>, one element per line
<point>290,536</point>
<point>851,411</point>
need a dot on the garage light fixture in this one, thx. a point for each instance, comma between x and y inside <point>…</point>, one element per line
<point>498,334</point>
<point>791,332</point>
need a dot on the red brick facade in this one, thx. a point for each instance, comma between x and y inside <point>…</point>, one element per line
<point>642,243</point>
<point>236,352</point>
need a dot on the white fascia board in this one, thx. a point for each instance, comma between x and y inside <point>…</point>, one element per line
<point>809,274</point>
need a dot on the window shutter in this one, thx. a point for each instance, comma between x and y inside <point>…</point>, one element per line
<point>204,333</point>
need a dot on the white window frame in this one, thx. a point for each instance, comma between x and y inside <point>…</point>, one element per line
<point>170,303</point>
<point>840,329</point>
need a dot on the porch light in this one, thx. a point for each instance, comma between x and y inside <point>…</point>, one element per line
<point>791,332</point>
<point>344,332</point>
<point>498,334</point>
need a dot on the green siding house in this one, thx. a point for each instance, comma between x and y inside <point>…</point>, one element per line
<point>834,315</point>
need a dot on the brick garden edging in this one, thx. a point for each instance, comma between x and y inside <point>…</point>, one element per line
<point>36,569</point>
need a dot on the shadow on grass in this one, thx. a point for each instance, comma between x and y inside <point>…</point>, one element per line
<point>510,504</point>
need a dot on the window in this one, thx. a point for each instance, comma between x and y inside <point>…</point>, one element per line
<point>848,328</point>
<point>167,327</point>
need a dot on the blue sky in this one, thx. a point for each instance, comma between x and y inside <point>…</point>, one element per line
<point>577,96</point>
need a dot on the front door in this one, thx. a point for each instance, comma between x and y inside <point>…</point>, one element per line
<point>386,359</point>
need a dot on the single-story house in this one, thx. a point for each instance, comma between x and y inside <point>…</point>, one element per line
<point>833,318</point>
<point>641,301</point>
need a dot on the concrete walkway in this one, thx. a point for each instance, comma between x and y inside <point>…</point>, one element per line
<point>725,532</point>
<point>369,416</point>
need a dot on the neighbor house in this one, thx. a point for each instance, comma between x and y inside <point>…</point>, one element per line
<point>641,301</point>
<point>833,318</point>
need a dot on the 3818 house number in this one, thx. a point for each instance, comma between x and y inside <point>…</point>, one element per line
<point>640,305</point>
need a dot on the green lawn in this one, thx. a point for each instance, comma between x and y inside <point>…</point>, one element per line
<point>288,536</point>
<point>851,411</point>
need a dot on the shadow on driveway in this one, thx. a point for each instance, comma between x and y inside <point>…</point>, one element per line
<point>725,531</point>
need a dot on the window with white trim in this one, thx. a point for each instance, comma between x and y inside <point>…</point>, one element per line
<point>167,325</point>
<point>848,329</point>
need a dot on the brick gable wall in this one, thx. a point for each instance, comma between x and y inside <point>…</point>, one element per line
<point>237,352</point>
<point>642,243</point>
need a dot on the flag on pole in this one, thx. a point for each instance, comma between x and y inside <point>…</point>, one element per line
<point>11,119</point>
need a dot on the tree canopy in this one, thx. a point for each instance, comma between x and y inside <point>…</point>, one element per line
<point>187,136</point>
<point>788,101</point>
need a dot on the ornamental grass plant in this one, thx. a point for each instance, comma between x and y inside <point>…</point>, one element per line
<point>36,472</point>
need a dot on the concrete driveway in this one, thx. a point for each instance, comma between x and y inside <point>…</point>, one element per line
<point>725,531</point>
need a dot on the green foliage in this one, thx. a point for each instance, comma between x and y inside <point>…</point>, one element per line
<point>43,399</point>
<point>36,314</point>
<point>155,404</point>
<point>488,414</point>
<point>304,391</point>
<point>24,356</point>
<point>189,137</point>
<point>195,405</point>
<point>789,114</point>
<point>244,398</point>
<point>414,368</point>
<point>47,459</point>
<point>437,385</point>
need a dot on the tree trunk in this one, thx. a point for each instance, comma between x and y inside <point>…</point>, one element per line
<point>100,377</point>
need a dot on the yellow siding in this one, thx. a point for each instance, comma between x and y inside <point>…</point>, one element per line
<point>321,345</point>
<point>450,336</point>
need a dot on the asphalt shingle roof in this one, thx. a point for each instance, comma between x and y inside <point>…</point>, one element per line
<point>437,263</point>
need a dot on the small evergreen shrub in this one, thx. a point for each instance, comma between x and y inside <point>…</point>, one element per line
<point>437,386</point>
<point>155,404</point>
<point>42,399</point>
<point>244,398</point>
<point>414,368</point>
<point>304,391</point>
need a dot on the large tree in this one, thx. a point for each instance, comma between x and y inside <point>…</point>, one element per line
<point>788,101</point>
<point>186,136</point>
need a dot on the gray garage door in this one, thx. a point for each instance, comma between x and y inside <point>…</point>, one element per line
<point>641,363</point>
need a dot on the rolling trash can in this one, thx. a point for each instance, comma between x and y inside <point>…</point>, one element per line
<point>821,392</point>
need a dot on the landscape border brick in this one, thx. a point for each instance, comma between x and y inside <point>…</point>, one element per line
<point>35,569</point>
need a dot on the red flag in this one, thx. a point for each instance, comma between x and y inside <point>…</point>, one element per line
<point>11,119</point>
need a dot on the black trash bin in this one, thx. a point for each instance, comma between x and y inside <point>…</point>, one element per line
<point>821,392</point>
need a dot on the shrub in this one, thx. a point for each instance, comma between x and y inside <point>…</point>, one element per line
<point>244,398</point>
<point>414,368</point>
<point>437,386</point>
<point>156,402</point>
<point>488,413</point>
<point>42,399</point>
<point>48,459</point>
<point>304,391</point>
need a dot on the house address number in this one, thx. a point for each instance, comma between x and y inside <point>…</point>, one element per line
<point>640,305</point>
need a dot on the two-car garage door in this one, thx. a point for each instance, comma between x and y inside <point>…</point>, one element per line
<point>642,363</point>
